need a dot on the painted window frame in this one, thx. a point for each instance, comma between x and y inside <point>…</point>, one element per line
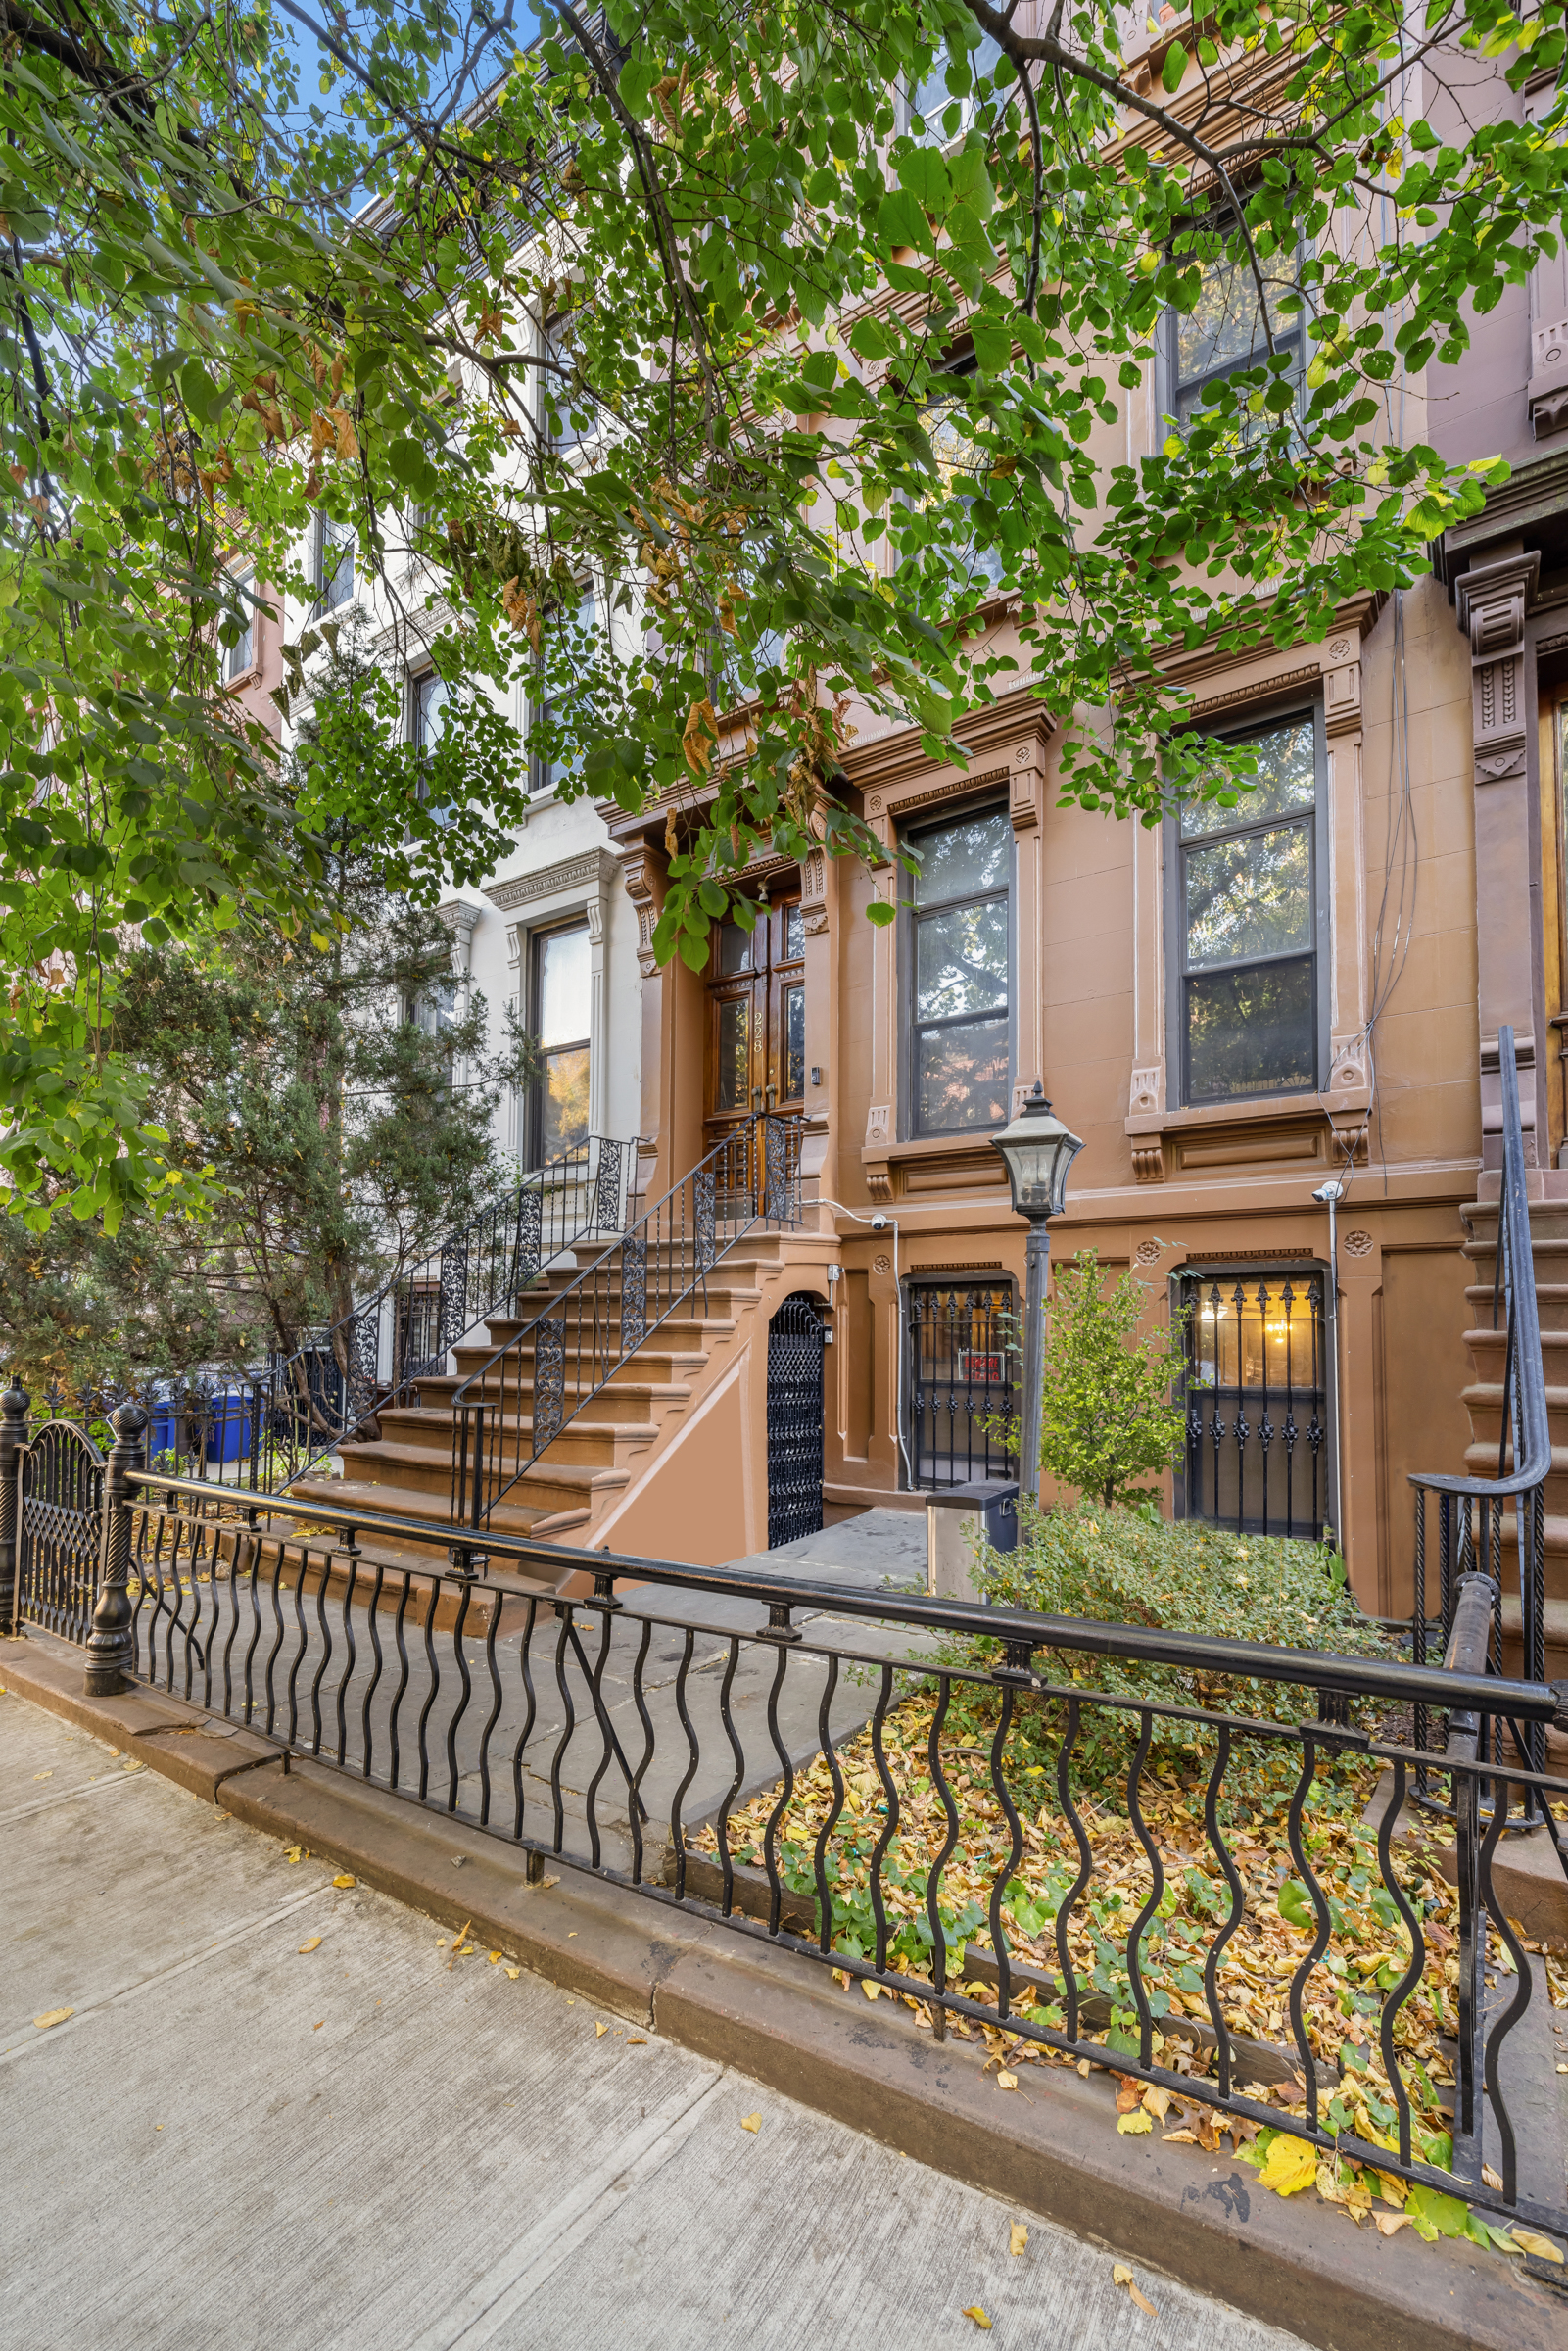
<point>531,1122</point>
<point>911,913</point>
<point>1168,384</point>
<point>1261,718</point>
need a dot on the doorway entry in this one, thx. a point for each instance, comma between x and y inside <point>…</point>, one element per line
<point>796,1419</point>
<point>757,1019</point>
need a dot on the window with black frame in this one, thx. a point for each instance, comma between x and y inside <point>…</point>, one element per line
<point>1224,332</point>
<point>1249,922</point>
<point>960,977</point>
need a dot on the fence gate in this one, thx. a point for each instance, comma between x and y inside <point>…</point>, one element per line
<point>1258,1426</point>
<point>794,1420</point>
<point>59,1526</point>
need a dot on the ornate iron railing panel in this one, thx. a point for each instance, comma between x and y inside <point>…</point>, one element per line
<point>537,1381</point>
<point>60,1516</point>
<point>480,1698</point>
<point>1258,1410</point>
<point>964,1373</point>
<point>1472,1513</point>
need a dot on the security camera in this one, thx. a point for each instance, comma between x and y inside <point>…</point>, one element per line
<point>1326,1194</point>
<point>879,1223</point>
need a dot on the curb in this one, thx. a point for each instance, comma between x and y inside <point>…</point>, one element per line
<point>1051,2146</point>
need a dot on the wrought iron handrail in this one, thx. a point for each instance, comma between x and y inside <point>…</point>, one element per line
<point>1471,1508</point>
<point>260,1428</point>
<point>489,1699</point>
<point>599,1321</point>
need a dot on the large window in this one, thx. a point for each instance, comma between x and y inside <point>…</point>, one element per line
<point>239,658</point>
<point>961,965</point>
<point>565,411</point>
<point>561,989</point>
<point>1249,926</point>
<point>1223,332</point>
<point>547,773</point>
<point>334,562</point>
<point>934,110</point>
<point>962,470</point>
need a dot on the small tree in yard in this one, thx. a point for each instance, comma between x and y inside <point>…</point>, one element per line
<point>1108,1419</point>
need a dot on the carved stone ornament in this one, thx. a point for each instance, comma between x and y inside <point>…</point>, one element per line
<point>1493,601</point>
<point>1147,1089</point>
<point>882,1263</point>
<point>814,893</point>
<point>1149,1160</point>
<point>878,1123</point>
<point>1147,1253</point>
<point>640,890</point>
<point>1357,1243</point>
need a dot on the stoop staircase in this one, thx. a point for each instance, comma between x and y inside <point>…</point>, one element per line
<point>578,1422</point>
<point>1484,1400</point>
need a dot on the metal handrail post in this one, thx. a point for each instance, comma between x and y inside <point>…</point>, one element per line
<point>109,1644</point>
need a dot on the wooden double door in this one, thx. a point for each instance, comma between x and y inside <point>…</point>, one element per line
<point>757,1019</point>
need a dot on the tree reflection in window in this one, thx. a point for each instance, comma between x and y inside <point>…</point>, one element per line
<point>1249,916</point>
<point>959,982</point>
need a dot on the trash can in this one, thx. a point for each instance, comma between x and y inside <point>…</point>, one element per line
<point>232,1410</point>
<point>164,1426</point>
<point>955,1518</point>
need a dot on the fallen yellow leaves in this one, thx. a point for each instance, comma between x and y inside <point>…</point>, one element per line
<point>1290,2165</point>
<point>751,2122</point>
<point>344,1880</point>
<point>514,1973</point>
<point>313,1945</point>
<point>52,2016</point>
<point>1120,2274</point>
<point>1017,2239</point>
<point>600,2031</point>
<point>972,2310</point>
<point>44,1775</point>
<point>296,1852</point>
<point>1528,2240</point>
<point>1133,2124</point>
<point>637,2041</point>
<point>1007,2081</point>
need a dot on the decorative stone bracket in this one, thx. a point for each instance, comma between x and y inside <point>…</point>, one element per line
<point>1548,390</point>
<point>1493,600</point>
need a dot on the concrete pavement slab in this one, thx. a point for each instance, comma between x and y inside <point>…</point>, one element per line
<point>372,2142</point>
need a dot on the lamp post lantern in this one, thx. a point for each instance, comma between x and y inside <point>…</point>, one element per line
<point>1037,1151</point>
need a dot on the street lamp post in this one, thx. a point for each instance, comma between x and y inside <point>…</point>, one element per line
<point>1037,1151</point>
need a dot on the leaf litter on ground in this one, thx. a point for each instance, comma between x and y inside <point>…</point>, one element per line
<point>1367,1952</point>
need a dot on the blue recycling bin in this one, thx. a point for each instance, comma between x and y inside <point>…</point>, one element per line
<point>163,1433</point>
<point>232,1410</point>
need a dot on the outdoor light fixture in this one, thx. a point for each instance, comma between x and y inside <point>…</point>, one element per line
<point>1037,1151</point>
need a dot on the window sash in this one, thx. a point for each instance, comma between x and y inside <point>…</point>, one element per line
<point>997,1015</point>
<point>1213,976</point>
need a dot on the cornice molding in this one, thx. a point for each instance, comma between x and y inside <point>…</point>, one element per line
<point>589,871</point>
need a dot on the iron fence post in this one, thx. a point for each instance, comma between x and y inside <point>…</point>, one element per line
<point>13,1437</point>
<point>109,1644</point>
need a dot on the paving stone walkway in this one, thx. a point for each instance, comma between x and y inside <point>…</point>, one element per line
<point>279,2113</point>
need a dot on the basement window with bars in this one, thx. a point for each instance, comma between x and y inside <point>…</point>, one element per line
<point>964,1369</point>
<point>1258,1409</point>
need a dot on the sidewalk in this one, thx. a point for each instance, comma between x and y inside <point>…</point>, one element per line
<point>235,2141</point>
